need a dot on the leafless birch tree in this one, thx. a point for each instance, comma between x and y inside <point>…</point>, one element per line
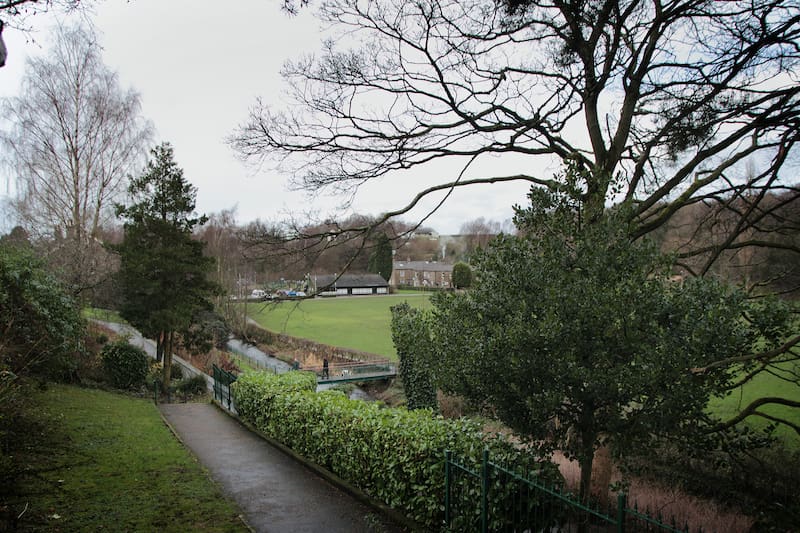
<point>75,136</point>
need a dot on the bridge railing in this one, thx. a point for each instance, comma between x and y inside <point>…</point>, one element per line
<point>351,369</point>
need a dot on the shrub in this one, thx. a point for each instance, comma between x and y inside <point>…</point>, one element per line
<point>260,335</point>
<point>194,385</point>
<point>41,329</point>
<point>207,330</point>
<point>156,374</point>
<point>394,455</point>
<point>762,483</point>
<point>176,372</point>
<point>462,276</point>
<point>125,364</point>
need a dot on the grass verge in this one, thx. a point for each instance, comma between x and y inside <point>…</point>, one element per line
<point>106,315</point>
<point>107,462</point>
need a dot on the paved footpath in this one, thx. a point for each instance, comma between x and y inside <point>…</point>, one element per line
<point>276,493</point>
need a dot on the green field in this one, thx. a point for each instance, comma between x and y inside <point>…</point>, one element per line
<point>763,385</point>
<point>360,322</point>
<point>107,462</point>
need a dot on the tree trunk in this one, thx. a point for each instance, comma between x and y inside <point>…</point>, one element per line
<point>168,359</point>
<point>588,436</point>
<point>586,461</point>
<point>244,318</point>
<point>160,347</point>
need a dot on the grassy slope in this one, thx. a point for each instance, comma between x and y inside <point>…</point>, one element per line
<point>121,470</point>
<point>360,323</point>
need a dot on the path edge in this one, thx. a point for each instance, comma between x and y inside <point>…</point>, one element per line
<point>393,514</point>
<point>207,472</point>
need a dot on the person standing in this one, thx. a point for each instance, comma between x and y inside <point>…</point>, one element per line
<point>325,374</point>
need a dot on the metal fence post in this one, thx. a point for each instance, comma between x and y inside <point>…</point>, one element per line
<point>229,380</point>
<point>447,455</point>
<point>485,492</point>
<point>621,504</point>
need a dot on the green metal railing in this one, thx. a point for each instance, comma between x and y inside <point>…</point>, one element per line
<point>157,392</point>
<point>222,385</point>
<point>512,502</point>
<point>354,371</point>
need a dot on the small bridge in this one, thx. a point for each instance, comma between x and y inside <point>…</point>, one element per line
<point>354,371</point>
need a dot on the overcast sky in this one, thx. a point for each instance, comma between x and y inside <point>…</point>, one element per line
<point>199,68</point>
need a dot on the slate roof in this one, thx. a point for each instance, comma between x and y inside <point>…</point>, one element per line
<point>423,266</point>
<point>349,281</point>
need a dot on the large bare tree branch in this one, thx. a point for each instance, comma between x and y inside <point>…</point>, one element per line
<point>752,410</point>
<point>442,79</point>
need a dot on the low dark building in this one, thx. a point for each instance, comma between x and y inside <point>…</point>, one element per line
<point>350,285</point>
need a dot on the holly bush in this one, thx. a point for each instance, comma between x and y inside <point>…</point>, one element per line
<point>125,364</point>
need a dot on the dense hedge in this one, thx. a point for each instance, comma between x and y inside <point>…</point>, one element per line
<point>394,455</point>
<point>412,338</point>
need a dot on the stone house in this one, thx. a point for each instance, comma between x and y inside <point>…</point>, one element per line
<point>422,274</point>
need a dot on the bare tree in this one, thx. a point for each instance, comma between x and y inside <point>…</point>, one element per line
<point>292,249</point>
<point>659,103</point>
<point>75,136</point>
<point>478,232</point>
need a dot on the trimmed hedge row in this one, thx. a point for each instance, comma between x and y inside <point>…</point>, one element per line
<point>394,455</point>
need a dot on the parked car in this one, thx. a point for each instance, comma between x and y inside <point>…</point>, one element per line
<point>295,294</point>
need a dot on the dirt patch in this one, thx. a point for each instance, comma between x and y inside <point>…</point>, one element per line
<point>390,393</point>
<point>657,499</point>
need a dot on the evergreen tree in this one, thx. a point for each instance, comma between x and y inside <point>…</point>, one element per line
<point>164,274</point>
<point>462,276</point>
<point>380,260</point>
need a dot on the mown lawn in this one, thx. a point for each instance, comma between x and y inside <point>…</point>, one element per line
<point>361,323</point>
<point>112,465</point>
